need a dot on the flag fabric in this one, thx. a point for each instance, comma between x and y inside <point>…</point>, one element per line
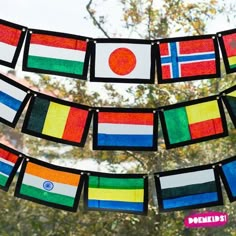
<point>116,192</point>
<point>57,120</point>
<point>49,184</point>
<point>123,128</point>
<point>194,121</point>
<point>188,188</point>
<point>227,41</point>
<point>13,98</point>
<point>122,60</point>
<point>187,58</point>
<point>10,160</point>
<point>229,98</point>
<point>56,53</point>
<point>227,171</point>
<point>11,40</point>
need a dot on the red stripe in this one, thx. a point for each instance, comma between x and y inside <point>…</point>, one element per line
<point>8,156</point>
<point>166,72</point>
<point>9,35</point>
<point>206,128</point>
<point>56,41</point>
<point>126,118</point>
<point>230,41</point>
<point>164,49</point>
<point>75,124</point>
<point>198,68</point>
<point>196,46</point>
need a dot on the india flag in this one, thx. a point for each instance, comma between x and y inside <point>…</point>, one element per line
<point>50,185</point>
<point>113,192</point>
<point>56,53</point>
<point>188,188</point>
<point>125,130</point>
<point>191,122</point>
<point>11,40</point>
<point>9,163</point>
<point>13,98</point>
<point>57,120</point>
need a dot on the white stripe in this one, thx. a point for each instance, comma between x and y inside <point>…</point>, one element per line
<point>56,52</point>
<point>12,90</point>
<point>107,128</point>
<point>6,161</point>
<point>190,178</point>
<point>7,52</point>
<point>142,53</point>
<point>4,174</point>
<point>64,189</point>
<point>7,113</point>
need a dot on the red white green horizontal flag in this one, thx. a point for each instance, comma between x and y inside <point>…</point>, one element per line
<point>11,40</point>
<point>49,185</point>
<point>192,122</point>
<point>57,120</point>
<point>56,53</point>
<point>122,60</point>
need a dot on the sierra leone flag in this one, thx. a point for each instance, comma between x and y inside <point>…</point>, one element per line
<point>229,98</point>
<point>119,129</point>
<point>194,121</point>
<point>227,41</point>
<point>187,58</point>
<point>9,163</point>
<point>57,120</point>
<point>122,60</point>
<point>13,98</point>
<point>49,185</point>
<point>11,40</point>
<point>56,53</point>
<point>117,192</point>
<point>188,188</point>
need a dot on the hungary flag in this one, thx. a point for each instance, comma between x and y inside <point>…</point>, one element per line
<point>126,61</point>
<point>9,163</point>
<point>229,98</point>
<point>56,53</point>
<point>57,120</point>
<point>188,188</point>
<point>227,40</point>
<point>50,185</point>
<point>11,40</point>
<point>192,122</point>
<point>117,192</point>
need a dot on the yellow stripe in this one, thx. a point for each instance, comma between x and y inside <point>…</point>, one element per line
<point>55,121</point>
<point>233,94</point>
<point>116,194</point>
<point>202,112</point>
<point>232,60</point>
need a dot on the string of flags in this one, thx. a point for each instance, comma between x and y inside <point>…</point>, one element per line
<point>116,128</point>
<point>61,187</point>
<point>118,60</point>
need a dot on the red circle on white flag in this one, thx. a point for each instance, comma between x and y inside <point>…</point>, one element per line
<point>122,61</point>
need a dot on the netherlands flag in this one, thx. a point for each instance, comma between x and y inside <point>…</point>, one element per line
<point>122,130</point>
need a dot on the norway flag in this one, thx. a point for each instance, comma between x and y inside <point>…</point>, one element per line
<point>188,58</point>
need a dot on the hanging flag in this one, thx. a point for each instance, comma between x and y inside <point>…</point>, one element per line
<point>117,192</point>
<point>49,185</point>
<point>122,60</point>
<point>187,58</point>
<point>188,188</point>
<point>11,40</point>
<point>122,129</point>
<point>227,41</point>
<point>227,171</point>
<point>194,121</point>
<point>56,53</point>
<point>57,120</point>
<point>13,98</point>
<point>9,163</point>
<point>229,98</point>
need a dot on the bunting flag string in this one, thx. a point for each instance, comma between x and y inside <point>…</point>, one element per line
<point>118,60</point>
